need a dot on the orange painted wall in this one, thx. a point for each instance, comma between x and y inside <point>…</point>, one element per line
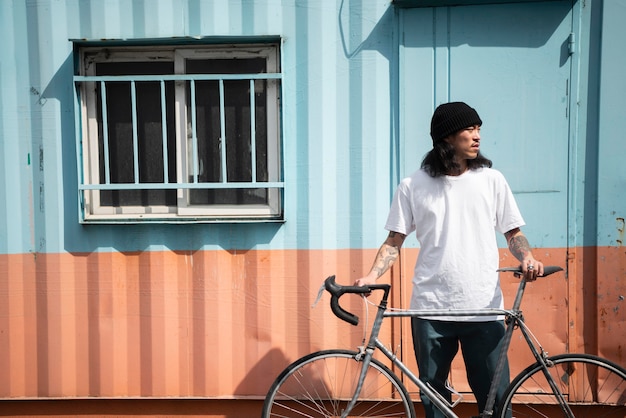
<point>161,324</point>
<point>221,325</point>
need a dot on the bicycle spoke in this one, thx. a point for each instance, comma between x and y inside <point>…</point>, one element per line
<point>590,387</point>
<point>322,385</point>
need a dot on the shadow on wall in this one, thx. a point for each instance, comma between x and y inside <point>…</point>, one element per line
<point>262,375</point>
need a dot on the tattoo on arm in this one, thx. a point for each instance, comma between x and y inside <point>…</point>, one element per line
<point>385,258</point>
<point>388,253</point>
<point>519,246</point>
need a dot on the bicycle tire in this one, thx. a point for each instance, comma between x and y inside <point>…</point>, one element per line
<point>321,384</point>
<point>592,387</point>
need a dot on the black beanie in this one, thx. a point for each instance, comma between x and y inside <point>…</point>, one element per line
<point>452,117</point>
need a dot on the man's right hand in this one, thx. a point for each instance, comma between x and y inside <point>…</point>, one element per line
<point>364,281</point>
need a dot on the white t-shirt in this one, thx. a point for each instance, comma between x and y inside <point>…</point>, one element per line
<point>455,219</point>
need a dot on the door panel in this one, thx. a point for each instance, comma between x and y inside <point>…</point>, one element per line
<point>510,62</point>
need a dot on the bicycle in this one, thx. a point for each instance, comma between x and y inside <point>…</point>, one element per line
<point>346,383</point>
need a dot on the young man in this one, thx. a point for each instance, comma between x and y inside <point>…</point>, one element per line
<point>455,203</point>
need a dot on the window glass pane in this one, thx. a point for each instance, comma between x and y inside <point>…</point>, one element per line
<point>237,114</point>
<point>260,98</point>
<point>226,66</point>
<point>237,130</point>
<point>207,130</point>
<point>149,134</point>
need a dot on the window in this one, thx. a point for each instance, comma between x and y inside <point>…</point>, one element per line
<point>179,133</point>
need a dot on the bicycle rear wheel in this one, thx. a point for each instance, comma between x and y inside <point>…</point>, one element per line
<point>321,384</point>
<point>591,387</point>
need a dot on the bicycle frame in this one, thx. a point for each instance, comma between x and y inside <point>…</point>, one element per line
<point>514,320</point>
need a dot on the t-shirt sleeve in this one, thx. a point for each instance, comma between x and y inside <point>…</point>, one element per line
<point>400,217</point>
<point>508,215</point>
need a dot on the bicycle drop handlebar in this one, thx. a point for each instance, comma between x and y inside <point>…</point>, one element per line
<point>337,290</point>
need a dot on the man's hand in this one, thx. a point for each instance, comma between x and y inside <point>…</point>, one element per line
<point>364,281</point>
<point>531,268</point>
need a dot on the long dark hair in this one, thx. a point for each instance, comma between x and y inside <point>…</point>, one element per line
<point>440,160</point>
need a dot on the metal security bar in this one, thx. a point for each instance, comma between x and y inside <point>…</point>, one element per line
<point>166,184</point>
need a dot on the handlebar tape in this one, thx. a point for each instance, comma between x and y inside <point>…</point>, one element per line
<point>336,291</point>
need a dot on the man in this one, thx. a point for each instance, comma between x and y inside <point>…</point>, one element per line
<point>455,203</point>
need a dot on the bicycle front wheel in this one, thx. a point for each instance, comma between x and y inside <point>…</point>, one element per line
<point>590,386</point>
<point>322,384</point>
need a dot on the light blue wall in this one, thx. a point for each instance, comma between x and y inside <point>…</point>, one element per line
<point>597,173</point>
<point>611,133</point>
<point>342,86</point>
<point>336,65</point>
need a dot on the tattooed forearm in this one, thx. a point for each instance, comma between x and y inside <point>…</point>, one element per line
<point>519,246</point>
<point>387,254</point>
<point>385,258</point>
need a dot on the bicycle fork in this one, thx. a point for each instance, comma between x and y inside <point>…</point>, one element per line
<point>365,357</point>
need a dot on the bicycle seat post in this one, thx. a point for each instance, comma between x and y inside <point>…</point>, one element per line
<point>517,303</point>
<point>506,342</point>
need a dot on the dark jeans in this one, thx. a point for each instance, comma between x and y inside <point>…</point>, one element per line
<point>437,342</point>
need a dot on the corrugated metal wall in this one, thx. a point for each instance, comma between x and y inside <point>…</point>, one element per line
<point>185,310</point>
<point>160,324</point>
<point>217,310</point>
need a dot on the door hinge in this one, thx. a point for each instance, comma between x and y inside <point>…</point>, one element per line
<point>571,43</point>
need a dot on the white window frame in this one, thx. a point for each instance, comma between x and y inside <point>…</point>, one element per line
<point>88,146</point>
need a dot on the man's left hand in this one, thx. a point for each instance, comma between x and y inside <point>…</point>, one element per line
<point>531,269</point>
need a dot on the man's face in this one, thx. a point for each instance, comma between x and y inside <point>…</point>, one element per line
<point>466,142</point>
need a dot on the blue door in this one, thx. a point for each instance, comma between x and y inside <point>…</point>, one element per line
<point>512,63</point>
